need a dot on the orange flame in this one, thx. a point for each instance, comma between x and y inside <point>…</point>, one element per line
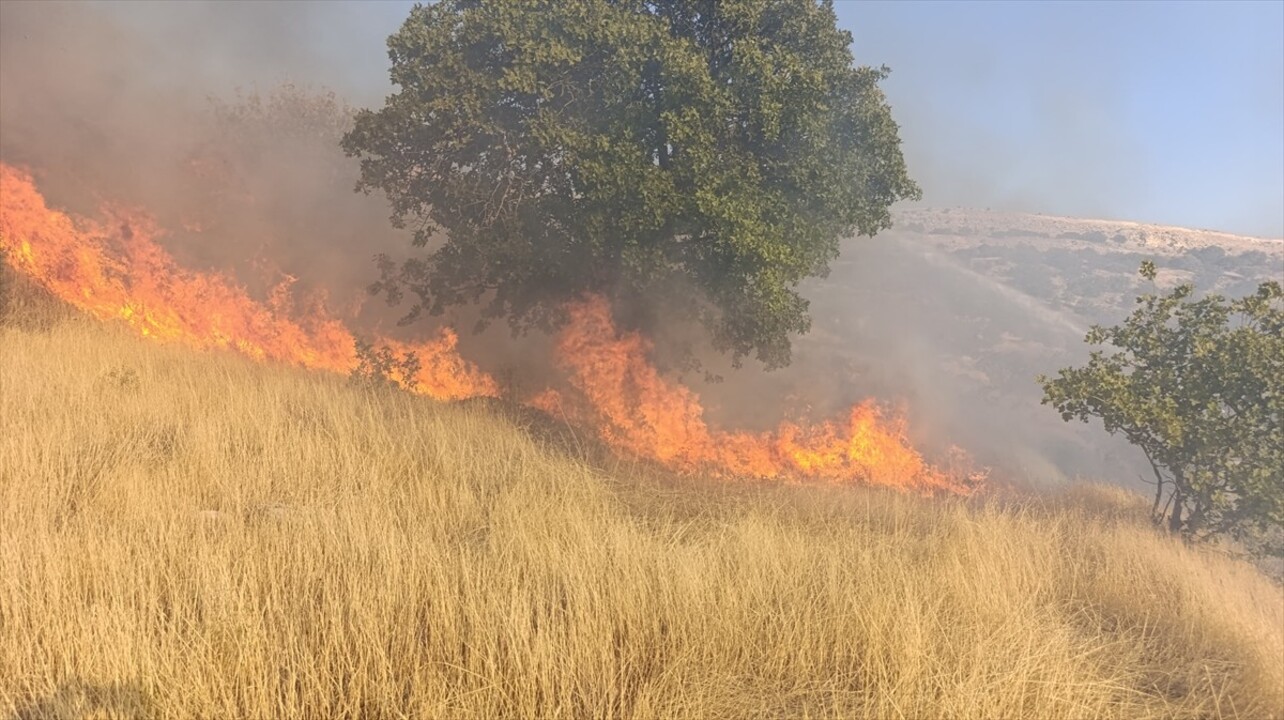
<point>640,412</point>
<point>114,269</point>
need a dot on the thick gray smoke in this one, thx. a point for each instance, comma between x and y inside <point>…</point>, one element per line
<point>222,120</point>
<point>216,118</point>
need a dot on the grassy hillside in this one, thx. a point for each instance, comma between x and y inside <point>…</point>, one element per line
<point>187,535</point>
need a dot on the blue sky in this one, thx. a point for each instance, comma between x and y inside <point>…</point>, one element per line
<point>1158,112</point>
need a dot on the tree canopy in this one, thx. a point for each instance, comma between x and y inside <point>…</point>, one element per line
<point>705,154</point>
<point>1198,385</point>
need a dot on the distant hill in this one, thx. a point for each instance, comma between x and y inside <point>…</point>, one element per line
<point>1088,268</point>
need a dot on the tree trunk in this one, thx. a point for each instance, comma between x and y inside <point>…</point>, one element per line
<point>1156,515</point>
<point>1195,520</point>
<point>1175,519</point>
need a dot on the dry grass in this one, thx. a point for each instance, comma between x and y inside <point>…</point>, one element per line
<point>193,536</point>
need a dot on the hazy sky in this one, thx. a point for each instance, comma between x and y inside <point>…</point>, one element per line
<point>1158,112</point>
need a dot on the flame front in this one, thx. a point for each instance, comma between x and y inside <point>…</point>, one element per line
<point>642,413</point>
<point>113,269</point>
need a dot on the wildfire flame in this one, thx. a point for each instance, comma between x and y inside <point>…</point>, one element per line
<point>114,269</point>
<point>639,411</point>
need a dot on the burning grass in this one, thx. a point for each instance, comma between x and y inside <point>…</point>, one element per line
<point>196,535</point>
<point>115,269</point>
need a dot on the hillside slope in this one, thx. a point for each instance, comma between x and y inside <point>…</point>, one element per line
<point>194,535</point>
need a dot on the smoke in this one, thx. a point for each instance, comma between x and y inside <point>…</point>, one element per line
<point>957,351</point>
<point>223,121</point>
<point>181,109</point>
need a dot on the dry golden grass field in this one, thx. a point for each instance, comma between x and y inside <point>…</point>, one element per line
<point>193,535</point>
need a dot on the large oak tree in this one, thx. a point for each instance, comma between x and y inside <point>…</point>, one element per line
<point>696,154</point>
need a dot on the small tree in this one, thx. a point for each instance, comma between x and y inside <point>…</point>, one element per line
<point>1198,385</point>
<point>704,153</point>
